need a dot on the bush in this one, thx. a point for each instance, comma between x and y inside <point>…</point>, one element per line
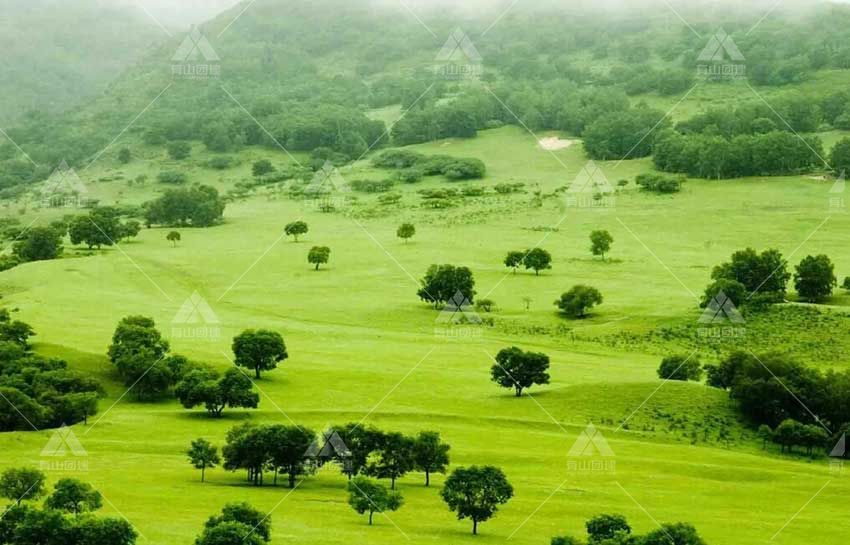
<point>371,186</point>
<point>680,368</point>
<point>409,175</point>
<point>172,177</point>
<point>659,184</point>
<point>397,159</point>
<point>220,163</point>
<point>465,169</point>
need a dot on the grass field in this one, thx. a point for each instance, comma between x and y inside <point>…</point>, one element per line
<point>364,348</point>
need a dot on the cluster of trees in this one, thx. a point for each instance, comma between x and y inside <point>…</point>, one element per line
<point>613,529</point>
<point>204,386</point>
<point>294,451</point>
<point>657,183</point>
<point>623,134</point>
<point>197,206</point>
<point>772,388</point>
<point>711,155</point>
<point>102,227</point>
<point>412,167</point>
<point>680,367</point>
<point>790,433</point>
<point>38,244</point>
<point>44,391</point>
<point>65,516</point>
<point>751,278</point>
<point>536,259</point>
<point>238,523</point>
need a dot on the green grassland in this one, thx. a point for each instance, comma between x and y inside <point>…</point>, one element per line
<point>364,348</point>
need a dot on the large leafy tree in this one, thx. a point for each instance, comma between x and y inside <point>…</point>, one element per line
<point>578,301</point>
<point>518,369</point>
<point>202,387</point>
<point>38,244</point>
<point>243,513</point>
<point>203,454</point>
<point>814,278</point>
<point>22,484</point>
<point>604,527</point>
<point>765,273</point>
<point>229,533</point>
<point>476,493</point>
<point>430,454</point>
<point>259,349</point>
<point>600,243</point>
<point>443,282</point>
<point>74,496</point>
<point>366,496</point>
<point>287,447</point>
<point>296,229</point>
<point>318,255</point>
<point>538,260</point>
<point>393,457</point>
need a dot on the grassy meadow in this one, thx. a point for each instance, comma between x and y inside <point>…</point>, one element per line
<point>364,348</point>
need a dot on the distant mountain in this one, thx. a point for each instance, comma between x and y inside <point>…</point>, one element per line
<point>59,52</point>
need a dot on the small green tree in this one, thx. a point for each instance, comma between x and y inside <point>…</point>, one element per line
<point>430,454</point>
<point>519,370</point>
<point>604,527</point>
<point>537,259</point>
<point>203,454</point>
<point>600,243</point>
<point>173,237</point>
<point>513,260</point>
<point>578,301</point>
<point>680,367</point>
<point>179,150</point>
<point>476,492</point>
<point>20,484</point>
<point>124,155</point>
<point>319,255</point>
<point>366,496</point>
<point>296,229</point>
<point>262,167</point>
<point>243,513</point>
<point>259,349</point>
<point>229,533</point>
<point>814,278</point>
<point>406,231</point>
<point>73,496</point>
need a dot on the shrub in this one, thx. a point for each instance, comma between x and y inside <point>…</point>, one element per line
<point>172,177</point>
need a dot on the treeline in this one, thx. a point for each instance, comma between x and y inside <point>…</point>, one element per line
<point>44,392</point>
<point>615,530</point>
<point>411,167</point>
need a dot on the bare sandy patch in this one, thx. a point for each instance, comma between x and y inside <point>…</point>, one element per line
<point>553,143</point>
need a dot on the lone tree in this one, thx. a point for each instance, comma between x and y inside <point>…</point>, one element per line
<point>430,454</point>
<point>513,260</point>
<point>19,484</point>
<point>262,167</point>
<point>406,231</point>
<point>173,237</point>
<point>814,278</point>
<point>125,155</point>
<point>243,513</point>
<point>259,349</point>
<point>366,496</point>
<point>680,368</point>
<point>600,243</point>
<point>319,255</point>
<point>537,259</point>
<point>229,533</point>
<point>476,493</point>
<point>73,496</point>
<point>296,229</point>
<point>518,369</point>
<point>443,282</point>
<point>578,301</point>
<point>203,454</point>
<point>604,527</point>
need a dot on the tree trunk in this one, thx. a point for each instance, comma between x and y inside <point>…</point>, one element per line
<point>427,478</point>
<point>203,470</point>
<point>257,372</point>
<point>291,479</point>
<point>474,527</point>
<point>392,483</point>
<point>275,476</point>
<point>518,391</point>
<point>370,517</point>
